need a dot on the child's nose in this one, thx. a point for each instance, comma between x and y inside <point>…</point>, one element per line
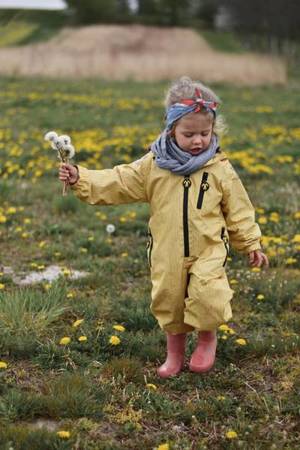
<point>197,139</point>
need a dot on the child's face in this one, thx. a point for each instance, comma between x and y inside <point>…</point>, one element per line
<point>193,133</point>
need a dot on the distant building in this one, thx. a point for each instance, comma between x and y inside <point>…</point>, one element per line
<point>33,4</point>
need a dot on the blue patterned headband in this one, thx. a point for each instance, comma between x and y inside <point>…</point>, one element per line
<point>186,106</point>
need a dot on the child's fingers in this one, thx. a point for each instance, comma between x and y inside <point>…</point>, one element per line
<point>251,257</point>
<point>265,260</point>
<point>63,174</point>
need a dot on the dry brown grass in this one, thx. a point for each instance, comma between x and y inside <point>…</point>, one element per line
<point>139,53</point>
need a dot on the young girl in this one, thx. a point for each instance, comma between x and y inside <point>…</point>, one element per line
<point>197,205</point>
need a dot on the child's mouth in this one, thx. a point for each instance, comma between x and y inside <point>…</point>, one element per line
<point>195,151</point>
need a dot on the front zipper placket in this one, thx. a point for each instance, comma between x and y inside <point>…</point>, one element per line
<point>186,185</point>
<point>203,188</point>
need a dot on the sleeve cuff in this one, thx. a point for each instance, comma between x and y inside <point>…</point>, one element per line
<point>82,178</point>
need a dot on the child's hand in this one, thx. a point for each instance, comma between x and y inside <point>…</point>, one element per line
<point>257,259</point>
<point>68,173</point>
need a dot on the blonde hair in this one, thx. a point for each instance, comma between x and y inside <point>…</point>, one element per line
<point>184,88</point>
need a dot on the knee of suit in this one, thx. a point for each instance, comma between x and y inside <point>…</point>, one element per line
<point>208,303</point>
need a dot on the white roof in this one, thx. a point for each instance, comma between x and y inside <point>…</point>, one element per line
<point>33,4</point>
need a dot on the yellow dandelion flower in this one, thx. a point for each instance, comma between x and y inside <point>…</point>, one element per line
<point>77,323</point>
<point>119,327</point>
<point>234,282</point>
<point>82,338</point>
<point>221,398</point>
<point>260,297</point>
<point>2,286</point>
<point>241,341</point>
<point>224,337</point>
<point>63,434</point>
<point>3,365</point>
<point>262,220</point>
<point>70,295</point>
<point>151,386</point>
<point>296,215</point>
<point>231,434</point>
<point>2,218</point>
<point>11,210</point>
<point>256,269</point>
<point>290,261</point>
<point>224,327</point>
<point>296,238</point>
<point>274,217</point>
<point>124,255</point>
<point>114,340</point>
<point>163,447</point>
<point>65,341</point>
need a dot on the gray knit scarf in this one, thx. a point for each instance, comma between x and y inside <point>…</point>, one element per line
<point>169,156</point>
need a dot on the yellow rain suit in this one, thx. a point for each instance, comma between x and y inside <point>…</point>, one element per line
<point>192,219</point>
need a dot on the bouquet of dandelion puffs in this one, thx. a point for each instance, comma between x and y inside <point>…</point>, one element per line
<point>65,150</point>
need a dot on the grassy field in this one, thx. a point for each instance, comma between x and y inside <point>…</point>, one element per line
<point>78,357</point>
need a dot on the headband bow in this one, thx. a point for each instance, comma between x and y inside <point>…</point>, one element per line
<point>200,103</point>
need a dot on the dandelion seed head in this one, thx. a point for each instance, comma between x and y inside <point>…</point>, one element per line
<point>110,228</point>
<point>50,136</point>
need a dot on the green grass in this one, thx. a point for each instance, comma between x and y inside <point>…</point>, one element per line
<point>223,41</point>
<point>109,396</point>
<point>20,27</point>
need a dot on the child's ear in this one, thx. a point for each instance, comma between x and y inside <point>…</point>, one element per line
<point>171,132</point>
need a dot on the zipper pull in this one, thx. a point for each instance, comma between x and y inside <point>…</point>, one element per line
<point>186,182</point>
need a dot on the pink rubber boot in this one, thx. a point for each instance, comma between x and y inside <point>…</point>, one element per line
<point>175,355</point>
<point>204,355</point>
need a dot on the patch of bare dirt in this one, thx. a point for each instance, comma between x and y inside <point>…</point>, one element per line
<point>139,53</point>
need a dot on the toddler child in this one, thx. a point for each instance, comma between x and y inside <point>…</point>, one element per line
<point>197,206</point>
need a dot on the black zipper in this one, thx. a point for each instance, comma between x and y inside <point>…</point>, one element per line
<point>203,188</point>
<point>186,184</point>
<point>226,242</point>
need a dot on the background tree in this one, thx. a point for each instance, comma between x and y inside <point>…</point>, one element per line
<point>277,22</point>
<point>95,11</point>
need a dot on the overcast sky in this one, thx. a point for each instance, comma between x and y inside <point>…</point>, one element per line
<point>45,4</point>
<point>33,4</point>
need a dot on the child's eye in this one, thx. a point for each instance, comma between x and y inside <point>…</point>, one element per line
<point>188,135</point>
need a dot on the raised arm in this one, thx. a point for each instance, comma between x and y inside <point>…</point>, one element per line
<point>125,183</point>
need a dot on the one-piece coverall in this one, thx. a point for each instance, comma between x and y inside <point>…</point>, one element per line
<point>192,220</point>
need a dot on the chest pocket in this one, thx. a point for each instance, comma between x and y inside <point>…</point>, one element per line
<point>204,186</point>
